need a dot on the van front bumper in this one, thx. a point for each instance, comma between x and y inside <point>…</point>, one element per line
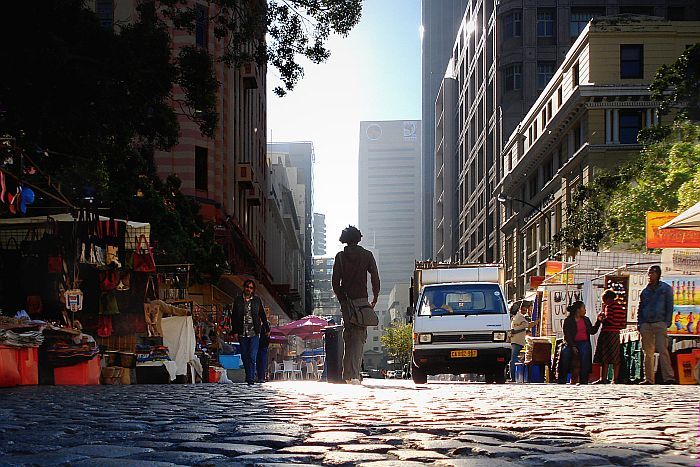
<point>439,361</point>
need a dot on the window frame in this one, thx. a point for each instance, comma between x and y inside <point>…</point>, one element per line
<point>513,77</point>
<point>623,115</point>
<point>541,75</point>
<point>513,25</point>
<point>545,27</point>
<point>625,73</point>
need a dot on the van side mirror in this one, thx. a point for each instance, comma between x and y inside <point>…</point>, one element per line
<point>409,314</point>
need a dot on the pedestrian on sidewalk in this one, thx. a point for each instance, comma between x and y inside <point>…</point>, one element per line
<point>263,349</point>
<point>350,284</point>
<point>519,325</point>
<point>614,319</point>
<point>577,342</point>
<point>653,319</point>
<point>247,316</point>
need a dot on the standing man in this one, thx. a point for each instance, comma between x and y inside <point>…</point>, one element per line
<point>519,325</point>
<point>350,284</point>
<point>247,319</point>
<point>653,319</point>
<point>607,352</point>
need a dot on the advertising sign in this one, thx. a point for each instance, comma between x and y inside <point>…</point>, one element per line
<point>668,238</point>
<point>686,304</point>
<point>553,315</point>
<point>553,272</point>
<point>636,283</point>
<point>680,260</point>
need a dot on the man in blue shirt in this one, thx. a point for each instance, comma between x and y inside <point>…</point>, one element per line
<point>653,319</point>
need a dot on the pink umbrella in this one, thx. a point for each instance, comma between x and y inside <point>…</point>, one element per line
<point>309,327</point>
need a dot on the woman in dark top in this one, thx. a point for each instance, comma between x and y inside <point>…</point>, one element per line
<point>577,342</point>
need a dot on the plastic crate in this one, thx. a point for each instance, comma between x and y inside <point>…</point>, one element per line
<point>519,373</point>
<point>28,363</point>
<point>535,373</point>
<point>83,374</point>
<point>231,362</point>
<point>9,367</point>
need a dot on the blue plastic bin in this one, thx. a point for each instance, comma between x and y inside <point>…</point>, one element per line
<point>231,362</point>
<point>519,372</point>
<point>535,373</point>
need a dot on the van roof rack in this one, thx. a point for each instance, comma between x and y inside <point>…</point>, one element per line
<point>444,265</point>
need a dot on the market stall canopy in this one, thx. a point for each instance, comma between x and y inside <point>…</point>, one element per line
<point>309,327</point>
<point>689,220</point>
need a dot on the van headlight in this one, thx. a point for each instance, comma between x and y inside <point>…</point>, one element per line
<point>425,338</point>
<point>499,336</point>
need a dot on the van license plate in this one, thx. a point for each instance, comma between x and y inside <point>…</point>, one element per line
<point>462,353</point>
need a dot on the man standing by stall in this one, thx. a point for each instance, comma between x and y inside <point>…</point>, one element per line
<point>653,319</point>
<point>350,285</point>
<point>247,318</point>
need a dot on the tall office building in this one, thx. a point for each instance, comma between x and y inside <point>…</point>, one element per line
<point>503,58</point>
<point>389,197</point>
<point>319,234</point>
<point>301,155</point>
<point>439,24</point>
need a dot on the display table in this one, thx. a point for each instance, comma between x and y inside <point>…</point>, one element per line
<point>159,372</point>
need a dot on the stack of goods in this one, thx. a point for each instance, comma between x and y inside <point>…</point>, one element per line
<point>60,353</point>
<point>147,353</point>
<point>19,342</point>
<point>21,339</point>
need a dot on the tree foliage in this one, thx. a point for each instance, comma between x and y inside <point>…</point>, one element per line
<point>677,86</point>
<point>398,341</point>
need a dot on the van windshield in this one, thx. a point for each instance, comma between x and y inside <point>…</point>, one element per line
<point>462,299</point>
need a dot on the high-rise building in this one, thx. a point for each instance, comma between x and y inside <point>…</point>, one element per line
<point>389,197</point>
<point>439,24</point>
<point>319,234</point>
<point>503,57</point>
<point>586,119</point>
<point>301,154</point>
<point>325,302</point>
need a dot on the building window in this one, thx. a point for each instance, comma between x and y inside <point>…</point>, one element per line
<point>637,10</point>
<point>676,13</point>
<point>533,186</point>
<point>200,167</point>
<point>545,71</point>
<point>545,23</point>
<point>105,12</point>
<point>202,26</point>
<point>580,17</point>
<point>375,338</point>
<point>630,124</point>
<point>575,75</point>
<point>631,61</point>
<point>512,25</point>
<point>513,77</point>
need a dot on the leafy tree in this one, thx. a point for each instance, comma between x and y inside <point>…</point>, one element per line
<point>677,86</point>
<point>398,341</point>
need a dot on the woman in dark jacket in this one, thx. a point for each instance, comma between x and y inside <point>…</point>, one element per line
<point>577,342</point>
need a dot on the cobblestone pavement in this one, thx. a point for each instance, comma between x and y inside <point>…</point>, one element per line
<point>381,423</point>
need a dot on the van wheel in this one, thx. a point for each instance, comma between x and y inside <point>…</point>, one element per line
<point>418,376</point>
<point>500,376</point>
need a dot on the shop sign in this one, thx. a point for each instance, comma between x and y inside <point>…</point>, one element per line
<point>668,238</point>
<point>686,304</point>
<point>636,283</point>
<point>553,272</point>
<point>680,260</point>
<point>558,297</point>
<point>74,300</point>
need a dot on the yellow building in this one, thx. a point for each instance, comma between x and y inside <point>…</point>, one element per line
<point>586,118</point>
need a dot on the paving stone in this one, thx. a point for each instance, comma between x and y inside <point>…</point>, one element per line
<point>476,462</point>
<point>154,444</point>
<point>111,462</point>
<point>479,439</point>
<point>228,449</point>
<point>669,460</point>
<point>536,447</point>
<point>617,455</point>
<point>306,449</point>
<point>180,457</point>
<point>182,436</point>
<point>441,445</point>
<point>491,451</point>
<point>334,437</point>
<point>416,455</point>
<point>391,463</point>
<point>285,429</point>
<point>275,458</point>
<point>370,447</point>
<point>53,458</point>
<point>105,450</point>
<point>273,441</point>
<point>566,460</point>
<point>351,458</point>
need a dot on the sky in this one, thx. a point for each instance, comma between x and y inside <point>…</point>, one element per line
<point>372,74</point>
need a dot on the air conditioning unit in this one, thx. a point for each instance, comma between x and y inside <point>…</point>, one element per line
<point>249,75</point>
<point>254,196</point>
<point>244,175</point>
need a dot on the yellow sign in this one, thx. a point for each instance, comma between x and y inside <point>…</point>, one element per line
<point>669,238</point>
<point>555,273</point>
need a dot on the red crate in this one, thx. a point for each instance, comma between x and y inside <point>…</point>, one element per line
<point>83,374</point>
<point>9,368</point>
<point>28,365</point>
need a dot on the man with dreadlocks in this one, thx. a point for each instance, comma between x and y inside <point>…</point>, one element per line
<point>350,284</point>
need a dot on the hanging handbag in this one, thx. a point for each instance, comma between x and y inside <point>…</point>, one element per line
<point>54,260</point>
<point>143,256</point>
<point>109,279</point>
<point>108,304</point>
<point>104,326</point>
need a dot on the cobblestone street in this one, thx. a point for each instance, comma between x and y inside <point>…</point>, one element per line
<point>382,423</point>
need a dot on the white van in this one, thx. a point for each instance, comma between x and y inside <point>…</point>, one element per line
<point>460,321</point>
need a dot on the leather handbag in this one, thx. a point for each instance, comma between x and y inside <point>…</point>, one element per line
<point>143,256</point>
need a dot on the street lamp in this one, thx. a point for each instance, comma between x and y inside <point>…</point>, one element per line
<point>502,198</point>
